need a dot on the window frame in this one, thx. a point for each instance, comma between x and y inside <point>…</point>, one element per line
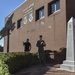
<point>55,7</point>
<point>19,23</point>
<point>38,11</point>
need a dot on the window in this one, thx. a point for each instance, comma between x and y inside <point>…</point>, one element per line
<point>39,13</point>
<point>19,23</point>
<point>53,6</point>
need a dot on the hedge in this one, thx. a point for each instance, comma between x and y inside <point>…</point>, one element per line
<point>11,63</point>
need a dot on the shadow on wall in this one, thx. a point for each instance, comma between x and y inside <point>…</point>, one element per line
<point>1,49</point>
<point>56,57</point>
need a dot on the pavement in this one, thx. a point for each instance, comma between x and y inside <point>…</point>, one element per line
<point>49,69</point>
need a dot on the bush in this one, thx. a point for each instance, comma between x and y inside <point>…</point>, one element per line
<point>63,53</point>
<point>62,48</point>
<point>4,68</point>
<point>13,62</point>
<point>47,56</point>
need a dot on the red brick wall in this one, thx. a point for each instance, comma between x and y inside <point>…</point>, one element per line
<point>53,29</point>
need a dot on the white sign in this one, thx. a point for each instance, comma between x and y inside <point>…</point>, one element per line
<point>28,12</point>
<point>25,20</point>
<point>30,17</point>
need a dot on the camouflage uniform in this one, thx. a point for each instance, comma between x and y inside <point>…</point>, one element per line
<point>41,44</point>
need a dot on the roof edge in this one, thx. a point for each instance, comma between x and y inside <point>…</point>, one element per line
<point>16,8</point>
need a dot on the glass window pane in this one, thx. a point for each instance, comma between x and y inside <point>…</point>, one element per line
<point>53,8</point>
<point>20,22</point>
<point>58,5</point>
<point>41,13</point>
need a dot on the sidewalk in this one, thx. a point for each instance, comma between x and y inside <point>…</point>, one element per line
<point>44,70</point>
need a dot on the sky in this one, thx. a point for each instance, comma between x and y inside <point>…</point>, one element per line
<point>6,7</point>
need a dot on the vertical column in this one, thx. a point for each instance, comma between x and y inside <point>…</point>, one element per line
<point>69,63</point>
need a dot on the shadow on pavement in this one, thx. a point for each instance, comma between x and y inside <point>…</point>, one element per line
<point>52,58</point>
<point>35,70</point>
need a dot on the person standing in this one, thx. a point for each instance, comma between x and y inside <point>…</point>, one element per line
<point>27,46</point>
<point>41,44</point>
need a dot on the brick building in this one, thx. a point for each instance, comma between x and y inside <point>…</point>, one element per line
<point>40,17</point>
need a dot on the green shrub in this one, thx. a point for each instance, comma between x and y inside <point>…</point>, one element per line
<point>4,68</point>
<point>62,48</point>
<point>14,62</point>
<point>47,56</point>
